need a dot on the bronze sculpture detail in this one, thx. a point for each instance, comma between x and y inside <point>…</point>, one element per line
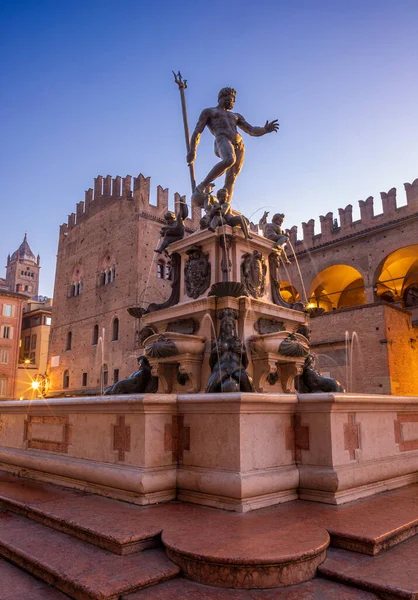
<point>220,213</point>
<point>228,358</point>
<point>229,146</point>
<point>139,382</point>
<point>273,231</point>
<point>312,380</point>
<point>173,230</point>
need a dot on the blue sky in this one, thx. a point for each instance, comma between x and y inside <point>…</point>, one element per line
<point>86,88</point>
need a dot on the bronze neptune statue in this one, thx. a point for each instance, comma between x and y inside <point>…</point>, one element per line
<point>229,146</point>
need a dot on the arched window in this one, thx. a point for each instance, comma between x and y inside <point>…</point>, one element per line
<point>107,269</point>
<point>115,329</point>
<point>66,380</point>
<point>105,374</point>
<point>160,269</point>
<point>77,278</point>
<point>69,340</point>
<point>168,271</point>
<point>95,340</point>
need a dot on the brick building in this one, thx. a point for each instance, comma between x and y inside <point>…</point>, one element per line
<point>21,284</point>
<point>363,276</point>
<point>11,309</point>
<point>33,351</point>
<point>105,264</point>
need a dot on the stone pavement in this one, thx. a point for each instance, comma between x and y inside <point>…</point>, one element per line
<point>91,547</point>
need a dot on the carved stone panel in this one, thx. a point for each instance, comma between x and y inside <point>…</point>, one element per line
<point>187,326</point>
<point>197,272</point>
<point>50,433</point>
<point>263,325</point>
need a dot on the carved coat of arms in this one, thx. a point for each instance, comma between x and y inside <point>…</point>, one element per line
<point>197,272</point>
<point>253,273</point>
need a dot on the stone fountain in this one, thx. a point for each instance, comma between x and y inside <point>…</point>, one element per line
<point>211,416</point>
<point>215,272</point>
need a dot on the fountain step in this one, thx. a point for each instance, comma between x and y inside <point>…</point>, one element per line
<point>256,553</point>
<point>78,569</point>
<point>391,575</point>
<point>370,526</point>
<point>110,524</point>
<point>316,589</point>
<point>16,584</point>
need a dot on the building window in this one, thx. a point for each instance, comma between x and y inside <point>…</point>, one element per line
<point>66,380</point>
<point>84,379</point>
<point>107,276</point>
<point>27,343</point>
<point>33,342</point>
<point>47,320</point>
<point>160,269</point>
<point>168,271</point>
<point>95,339</point>
<point>7,310</point>
<point>115,330</point>
<point>6,332</point>
<point>115,375</point>
<point>3,387</point>
<point>4,357</point>
<point>105,374</point>
<point>69,340</point>
<point>76,288</point>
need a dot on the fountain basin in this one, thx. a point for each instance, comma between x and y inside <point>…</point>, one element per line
<point>182,343</point>
<point>271,342</point>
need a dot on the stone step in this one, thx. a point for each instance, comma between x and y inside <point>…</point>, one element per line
<point>81,570</point>
<point>246,554</point>
<point>316,589</point>
<point>370,525</point>
<point>391,575</point>
<point>16,584</point>
<point>116,526</point>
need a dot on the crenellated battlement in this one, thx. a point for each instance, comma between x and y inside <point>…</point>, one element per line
<point>108,190</point>
<point>333,230</point>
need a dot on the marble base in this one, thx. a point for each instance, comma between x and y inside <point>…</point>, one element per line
<point>236,451</point>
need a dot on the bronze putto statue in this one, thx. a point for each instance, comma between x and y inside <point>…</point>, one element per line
<point>273,231</point>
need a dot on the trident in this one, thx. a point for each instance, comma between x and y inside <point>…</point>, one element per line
<point>182,83</point>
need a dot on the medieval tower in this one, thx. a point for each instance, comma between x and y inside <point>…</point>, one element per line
<point>22,270</point>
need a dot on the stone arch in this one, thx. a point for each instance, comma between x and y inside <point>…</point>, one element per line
<point>397,275</point>
<point>337,286</point>
<point>289,293</point>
